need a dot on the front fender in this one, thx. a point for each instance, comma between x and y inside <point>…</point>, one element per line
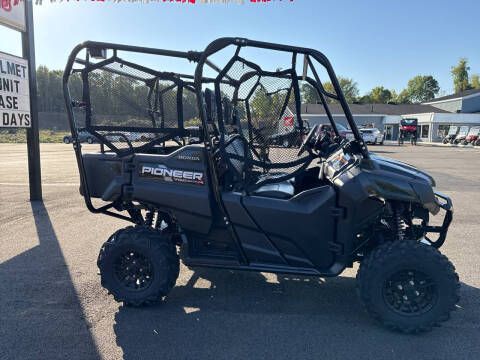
<point>395,181</point>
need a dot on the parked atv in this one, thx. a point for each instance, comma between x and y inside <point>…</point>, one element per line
<point>234,201</point>
<point>408,130</point>
<point>462,134</point>
<point>451,135</point>
<point>472,136</point>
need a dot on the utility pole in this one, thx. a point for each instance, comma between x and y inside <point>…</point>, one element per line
<point>33,141</point>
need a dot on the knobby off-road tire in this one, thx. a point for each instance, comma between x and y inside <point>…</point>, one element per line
<point>138,265</point>
<point>385,279</point>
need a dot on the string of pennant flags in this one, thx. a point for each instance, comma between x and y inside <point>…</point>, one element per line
<point>241,2</point>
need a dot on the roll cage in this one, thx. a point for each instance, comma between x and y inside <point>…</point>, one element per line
<point>253,101</point>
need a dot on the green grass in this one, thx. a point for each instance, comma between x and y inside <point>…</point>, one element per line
<point>20,136</point>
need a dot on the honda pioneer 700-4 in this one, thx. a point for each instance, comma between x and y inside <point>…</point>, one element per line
<point>233,197</point>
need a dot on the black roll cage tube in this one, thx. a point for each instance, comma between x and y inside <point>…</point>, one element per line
<point>222,43</point>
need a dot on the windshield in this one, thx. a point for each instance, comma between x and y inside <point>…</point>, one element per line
<point>463,130</point>
<point>409,122</point>
<point>474,131</point>
<point>452,130</point>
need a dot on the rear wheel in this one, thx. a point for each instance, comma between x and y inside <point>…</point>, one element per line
<point>408,286</point>
<point>138,265</point>
<point>66,140</point>
<point>90,140</point>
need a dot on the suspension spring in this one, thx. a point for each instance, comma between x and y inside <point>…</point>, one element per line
<point>149,218</point>
<point>399,224</point>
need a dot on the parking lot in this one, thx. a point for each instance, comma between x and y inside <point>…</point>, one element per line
<point>53,307</point>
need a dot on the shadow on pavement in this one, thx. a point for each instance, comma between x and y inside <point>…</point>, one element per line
<point>41,316</point>
<point>243,316</point>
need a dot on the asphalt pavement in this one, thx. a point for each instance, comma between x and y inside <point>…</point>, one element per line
<point>53,307</point>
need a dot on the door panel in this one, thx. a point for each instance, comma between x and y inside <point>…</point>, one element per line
<point>304,221</point>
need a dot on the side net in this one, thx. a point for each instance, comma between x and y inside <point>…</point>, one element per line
<point>129,107</point>
<point>263,108</point>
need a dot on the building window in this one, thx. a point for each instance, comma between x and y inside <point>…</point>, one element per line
<point>424,129</point>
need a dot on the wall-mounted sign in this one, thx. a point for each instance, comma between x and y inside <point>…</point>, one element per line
<point>14,92</point>
<point>12,14</point>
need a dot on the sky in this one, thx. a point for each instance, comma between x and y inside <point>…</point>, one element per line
<point>375,42</point>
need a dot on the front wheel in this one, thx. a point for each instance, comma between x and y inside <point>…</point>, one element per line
<point>138,265</point>
<point>408,286</point>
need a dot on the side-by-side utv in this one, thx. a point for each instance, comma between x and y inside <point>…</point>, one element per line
<point>408,130</point>
<point>237,199</point>
<point>451,135</point>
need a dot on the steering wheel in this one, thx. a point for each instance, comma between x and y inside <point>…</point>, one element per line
<point>307,140</point>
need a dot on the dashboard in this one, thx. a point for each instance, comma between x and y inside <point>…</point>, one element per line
<point>338,162</point>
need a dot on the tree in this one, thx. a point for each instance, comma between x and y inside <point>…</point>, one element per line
<point>309,94</point>
<point>475,82</point>
<point>422,88</point>
<point>460,75</point>
<point>349,88</point>
<point>380,95</point>
<point>365,99</point>
<point>402,98</point>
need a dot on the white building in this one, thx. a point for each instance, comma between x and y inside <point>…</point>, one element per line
<point>434,117</point>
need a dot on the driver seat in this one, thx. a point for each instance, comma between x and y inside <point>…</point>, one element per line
<point>236,145</point>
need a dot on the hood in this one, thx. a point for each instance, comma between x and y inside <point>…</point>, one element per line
<point>401,168</point>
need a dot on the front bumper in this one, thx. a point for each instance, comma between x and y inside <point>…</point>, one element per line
<point>445,203</point>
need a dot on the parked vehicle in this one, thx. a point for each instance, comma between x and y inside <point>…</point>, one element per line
<point>408,130</point>
<point>292,138</point>
<point>83,137</point>
<point>235,203</point>
<point>462,134</point>
<point>343,132</point>
<point>372,136</point>
<point>472,135</point>
<point>451,135</point>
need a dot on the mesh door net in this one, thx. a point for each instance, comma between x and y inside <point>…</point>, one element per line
<point>265,112</point>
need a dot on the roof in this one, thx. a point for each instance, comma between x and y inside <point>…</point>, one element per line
<point>458,95</point>
<point>372,109</point>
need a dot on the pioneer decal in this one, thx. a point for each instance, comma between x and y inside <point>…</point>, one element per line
<point>164,173</point>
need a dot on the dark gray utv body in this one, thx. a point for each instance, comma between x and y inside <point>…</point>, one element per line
<point>232,197</point>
